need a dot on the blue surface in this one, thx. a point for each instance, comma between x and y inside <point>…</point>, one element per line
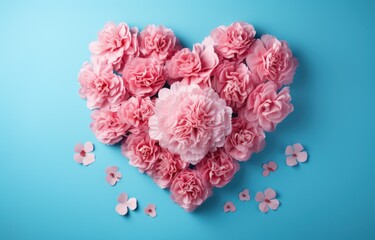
<point>44,194</point>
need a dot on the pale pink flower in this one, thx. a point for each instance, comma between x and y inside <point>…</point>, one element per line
<point>141,150</point>
<point>107,126</point>
<point>267,200</point>
<point>245,139</point>
<point>218,168</point>
<point>190,121</point>
<point>267,106</point>
<point>83,153</point>
<point>193,67</point>
<point>100,86</point>
<point>234,41</point>
<point>113,175</point>
<point>136,111</point>
<point>124,203</point>
<point>150,210</point>
<point>272,59</point>
<point>233,82</point>
<point>165,168</point>
<point>158,41</point>
<point>269,167</point>
<point>115,45</point>
<point>295,154</point>
<point>144,76</point>
<point>229,207</point>
<point>189,190</point>
<point>244,195</point>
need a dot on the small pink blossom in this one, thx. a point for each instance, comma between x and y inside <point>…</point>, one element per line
<point>83,153</point>
<point>141,150</point>
<point>144,76</point>
<point>136,111</point>
<point>189,190</point>
<point>244,195</point>
<point>267,200</point>
<point>267,106</point>
<point>150,210</point>
<point>272,60</point>
<point>157,41</point>
<point>234,41</point>
<point>193,67</point>
<point>100,86</point>
<point>269,167</point>
<point>165,168</point>
<point>107,126</point>
<point>229,207</point>
<point>190,121</point>
<point>113,175</point>
<point>218,168</point>
<point>295,154</point>
<point>124,203</point>
<point>245,139</point>
<point>115,45</point>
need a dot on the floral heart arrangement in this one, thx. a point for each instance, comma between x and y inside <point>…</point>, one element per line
<point>186,117</point>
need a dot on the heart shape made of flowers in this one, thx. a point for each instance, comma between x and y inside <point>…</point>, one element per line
<point>187,117</point>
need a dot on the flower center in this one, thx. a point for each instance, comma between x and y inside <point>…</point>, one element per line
<point>267,200</point>
<point>112,175</point>
<point>83,153</point>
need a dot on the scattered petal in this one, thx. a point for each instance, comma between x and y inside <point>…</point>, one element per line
<point>229,207</point>
<point>124,204</point>
<point>267,200</point>
<point>88,159</point>
<point>82,153</point>
<point>113,176</point>
<point>244,195</point>
<point>150,210</point>
<point>269,167</point>
<point>89,147</point>
<point>295,154</point>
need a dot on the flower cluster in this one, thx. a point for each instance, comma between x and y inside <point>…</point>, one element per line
<point>186,117</point>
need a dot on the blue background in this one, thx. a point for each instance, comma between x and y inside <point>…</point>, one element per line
<point>44,194</point>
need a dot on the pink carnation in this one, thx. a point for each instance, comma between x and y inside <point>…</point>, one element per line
<point>190,121</point>
<point>100,86</point>
<point>165,168</point>
<point>115,45</point>
<point>141,151</point>
<point>144,76</point>
<point>107,126</point>
<point>189,189</point>
<point>267,106</point>
<point>218,168</point>
<point>245,139</point>
<point>233,82</point>
<point>234,41</point>
<point>136,111</point>
<point>193,67</point>
<point>272,59</point>
<point>159,42</point>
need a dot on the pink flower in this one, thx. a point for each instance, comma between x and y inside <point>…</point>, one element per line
<point>189,190</point>
<point>245,139</point>
<point>272,59</point>
<point>124,203</point>
<point>115,45</point>
<point>113,175</point>
<point>234,41</point>
<point>144,76</point>
<point>269,167</point>
<point>83,153</point>
<point>193,67</point>
<point>218,168</point>
<point>107,126</point>
<point>233,82</point>
<point>267,106</point>
<point>141,151</point>
<point>159,42</point>
<point>267,200</point>
<point>244,195</point>
<point>100,86</point>
<point>136,111</point>
<point>190,121</point>
<point>296,154</point>
<point>165,168</point>
<point>150,210</point>
<point>229,207</point>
